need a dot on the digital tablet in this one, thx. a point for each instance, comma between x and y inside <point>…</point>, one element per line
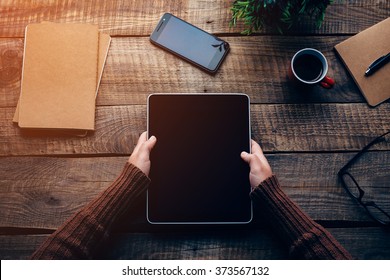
<point>197,174</point>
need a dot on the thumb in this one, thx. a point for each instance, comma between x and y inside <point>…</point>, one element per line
<point>151,142</point>
<point>246,157</point>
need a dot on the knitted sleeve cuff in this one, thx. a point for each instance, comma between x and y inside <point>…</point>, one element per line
<point>305,237</point>
<point>82,234</point>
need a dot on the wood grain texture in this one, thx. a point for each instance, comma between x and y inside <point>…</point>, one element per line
<point>256,66</point>
<point>138,18</point>
<point>227,244</point>
<point>307,136</point>
<point>279,128</point>
<point>11,57</point>
<point>41,192</point>
<point>50,189</point>
<point>117,131</point>
<point>362,243</point>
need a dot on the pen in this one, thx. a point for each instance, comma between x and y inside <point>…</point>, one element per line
<point>377,64</point>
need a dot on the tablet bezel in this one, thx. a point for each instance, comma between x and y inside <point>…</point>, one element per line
<point>249,145</point>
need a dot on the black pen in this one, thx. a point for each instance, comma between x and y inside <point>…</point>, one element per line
<point>377,64</point>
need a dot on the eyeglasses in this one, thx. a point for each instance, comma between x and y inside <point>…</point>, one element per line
<point>362,165</point>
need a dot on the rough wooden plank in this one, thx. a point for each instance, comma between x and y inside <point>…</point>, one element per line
<point>197,244</point>
<point>17,247</point>
<point>317,127</point>
<point>279,127</point>
<point>50,189</point>
<point>11,56</point>
<point>117,131</point>
<point>41,192</point>
<point>256,66</point>
<point>350,16</point>
<point>184,245</point>
<point>139,17</point>
<point>362,243</point>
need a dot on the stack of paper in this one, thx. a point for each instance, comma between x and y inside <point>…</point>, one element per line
<point>62,67</point>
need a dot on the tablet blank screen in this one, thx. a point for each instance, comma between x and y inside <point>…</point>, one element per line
<point>197,174</point>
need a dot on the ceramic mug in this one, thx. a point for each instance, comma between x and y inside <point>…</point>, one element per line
<point>309,67</point>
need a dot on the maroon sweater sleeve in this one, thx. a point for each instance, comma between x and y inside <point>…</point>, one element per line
<point>81,235</point>
<point>306,239</point>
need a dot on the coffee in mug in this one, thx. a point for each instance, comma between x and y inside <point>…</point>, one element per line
<point>308,67</point>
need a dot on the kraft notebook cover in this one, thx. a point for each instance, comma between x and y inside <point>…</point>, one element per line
<point>104,44</point>
<point>59,76</point>
<point>359,51</point>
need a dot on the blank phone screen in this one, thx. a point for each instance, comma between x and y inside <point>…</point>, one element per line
<point>190,41</point>
<point>197,174</point>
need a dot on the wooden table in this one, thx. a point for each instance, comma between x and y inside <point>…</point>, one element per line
<point>306,137</point>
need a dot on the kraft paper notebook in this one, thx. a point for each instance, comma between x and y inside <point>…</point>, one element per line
<point>60,74</point>
<point>359,51</point>
<point>104,43</point>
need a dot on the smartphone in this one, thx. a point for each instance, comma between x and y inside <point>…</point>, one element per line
<point>190,43</point>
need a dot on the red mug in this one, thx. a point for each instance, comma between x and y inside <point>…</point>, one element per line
<point>309,67</point>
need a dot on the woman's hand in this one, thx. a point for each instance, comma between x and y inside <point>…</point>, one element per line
<point>259,166</point>
<point>141,154</point>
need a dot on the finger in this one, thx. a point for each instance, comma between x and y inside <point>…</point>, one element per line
<point>150,143</point>
<point>145,148</point>
<point>256,149</point>
<point>257,152</point>
<point>142,139</point>
<point>246,157</point>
